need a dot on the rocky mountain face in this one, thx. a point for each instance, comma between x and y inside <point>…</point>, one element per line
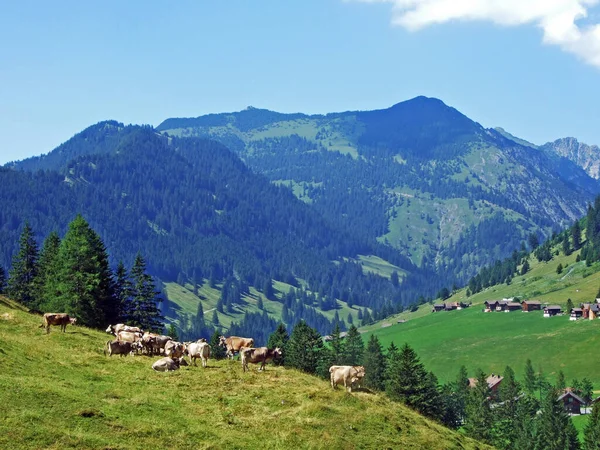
<point>585,156</point>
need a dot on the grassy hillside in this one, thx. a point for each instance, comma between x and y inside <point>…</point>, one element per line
<point>490,341</point>
<point>64,393</point>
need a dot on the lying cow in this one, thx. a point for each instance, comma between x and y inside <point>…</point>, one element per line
<point>348,375</point>
<point>174,349</point>
<point>234,344</point>
<point>116,329</point>
<point>166,364</point>
<point>154,343</point>
<point>121,348</point>
<point>199,349</point>
<point>61,319</point>
<point>260,355</point>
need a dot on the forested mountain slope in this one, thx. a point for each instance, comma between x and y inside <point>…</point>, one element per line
<point>196,212</point>
<point>420,176</point>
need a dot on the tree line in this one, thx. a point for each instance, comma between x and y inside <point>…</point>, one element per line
<point>73,275</point>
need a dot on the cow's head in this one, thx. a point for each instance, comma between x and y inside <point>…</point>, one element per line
<point>73,320</point>
<point>222,341</point>
<point>109,330</point>
<point>201,340</point>
<point>277,352</point>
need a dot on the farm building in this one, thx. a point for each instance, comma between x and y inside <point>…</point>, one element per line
<point>438,307</point>
<point>572,402</point>
<point>511,306</point>
<point>490,305</point>
<point>590,310</point>
<point>552,310</point>
<point>493,382</point>
<point>576,313</point>
<point>531,305</point>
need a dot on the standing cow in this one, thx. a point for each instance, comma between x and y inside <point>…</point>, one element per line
<point>234,344</point>
<point>154,343</point>
<point>348,375</point>
<point>61,319</point>
<point>121,348</point>
<point>261,355</point>
<point>116,329</point>
<point>199,349</point>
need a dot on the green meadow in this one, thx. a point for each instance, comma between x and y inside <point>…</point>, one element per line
<point>59,391</point>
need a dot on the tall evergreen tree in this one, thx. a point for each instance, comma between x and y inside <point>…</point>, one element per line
<point>279,338</point>
<point>576,235</point>
<point>24,269</point>
<point>2,280</point>
<point>569,306</point>
<point>555,430</point>
<point>215,319</point>
<point>46,268</point>
<point>566,245</point>
<point>353,347</point>
<point>374,362</point>
<point>305,348</point>
<point>505,431</point>
<point>123,290</point>
<point>144,311</point>
<point>525,267</point>
<point>268,289</point>
<point>216,350</point>
<point>592,430</point>
<point>83,285</point>
<point>561,382</point>
<point>479,418</point>
<point>530,381</point>
<point>337,347</point>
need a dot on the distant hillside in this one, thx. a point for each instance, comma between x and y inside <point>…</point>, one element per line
<point>88,400</point>
<point>419,176</point>
<point>585,156</point>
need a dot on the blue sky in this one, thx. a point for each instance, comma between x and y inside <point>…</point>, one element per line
<point>67,65</point>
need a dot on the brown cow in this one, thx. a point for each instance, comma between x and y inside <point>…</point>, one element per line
<point>121,348</point>
<point>61,319</point>
<point>261,355</point>
<point>348,375</point>
<point>129,336</point>
<point>154,343</point>
<point>234,344</point>
<point>174,349</point>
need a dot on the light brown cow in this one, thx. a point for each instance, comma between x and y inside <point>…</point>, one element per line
<point>234,344</point>
<point>198,350</point>
<point>258,355</point>
<point>166,364</point>
<point>129,336</point>
<point>174,349</point>
<point>116,329</point>
<point>348,375</point>
<point>154,343</point>
<point>61,319</point>
<point>121,348</point>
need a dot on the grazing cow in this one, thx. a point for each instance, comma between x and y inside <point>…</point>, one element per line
<point>198,350</point>
<point>129,336</point>
<point>61,319</point>
<point>348,375</point>
<point>154,343</point>
<point>166,364</point>
<point>116,329</point>
<point>174,349</point>
<point>121,348</point>
<point>260,355</point>
<point>234,344</point>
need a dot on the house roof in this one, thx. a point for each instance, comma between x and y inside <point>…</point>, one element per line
<point>513,304</point>
<point>553,307</point>
<point>532,302</point>
<point>571,394</point>
<point>439,305</point>
<point>492,381</point>
<point>576,310</point>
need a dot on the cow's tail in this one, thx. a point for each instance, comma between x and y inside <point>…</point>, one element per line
<point>106,346</point>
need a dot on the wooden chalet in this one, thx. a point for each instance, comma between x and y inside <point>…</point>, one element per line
<point>451,306</point>
<point>552,310</point>
<point>531,305</point>
<point>512,306</point>
<point>493,382</point>
<point>576,313</point>
<point>590,310</point>
<point>490,305</point>
<point>438,307</point>
<point>572,402</point>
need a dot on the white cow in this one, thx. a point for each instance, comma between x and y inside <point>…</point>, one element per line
<point>198,350</point>
<point>348,375</point>
<point>166,364</point>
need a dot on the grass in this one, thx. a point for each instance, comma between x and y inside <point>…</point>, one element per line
<point>491,341</point>
<point>61,392</point>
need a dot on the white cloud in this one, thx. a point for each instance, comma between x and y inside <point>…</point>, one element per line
<point>557,18</point>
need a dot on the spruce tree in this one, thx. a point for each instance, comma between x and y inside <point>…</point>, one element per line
<point>144,311</point>
<point>566,245</point>
<point>216,350</point>
<point>215,319</point>
<point>555,430</point>
<point>259,303</point>
<point>479,418</point>
<point>82,285</point>
<point>268,289</point>
<point>24,269</point>
<point>569,306</point>
<point>279,338</point>
<point>353,347</point>
<point>337,347</point>
<point>374,362</point>
<point>305,348</point>
<point>123,290</point>
<point>592,430</point>
<point>576,235</point>
<point>525,267</point>
<point>530,381</point>
<point>559,268</point>
<point>2,280</point>
<point>561,382</point>
<point>46,269</point>
<point>507,410</point>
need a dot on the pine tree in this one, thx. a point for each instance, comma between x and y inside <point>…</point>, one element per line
<point>24,269</point>
<point>395,279</point>
<point>353,347</point>
<point>559,268</point>
<point>461,389</point>
<point>268,289</point>
<point>530,382</point>
<point>555,430</point>
<point>337,347</point>
<point>506,411</point>
<point>374,362</point>
<point>144,311</point>
<point>215,319</point>
<point>305,348</point>
<point>2,280</point>
<point>172,332</point>
<point>279,338</point>
<point>561,382</point>
<point>123,290</point>
<point>216,350</point>
<point>525,267</point>
<point>259,303</point>
<point>569,305</point>
<point>576,235</point>
<point>479,419</point>
<point>46,268</point>
<point>534,242</point>
<point>592,430</point>
<point>566,245</point>
<point>82,285</point>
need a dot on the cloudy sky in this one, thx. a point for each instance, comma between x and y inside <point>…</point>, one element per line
<point>530,66</point>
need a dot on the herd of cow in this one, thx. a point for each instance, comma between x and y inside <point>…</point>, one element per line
<point>132,340</point>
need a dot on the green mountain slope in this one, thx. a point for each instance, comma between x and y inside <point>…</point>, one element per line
<point>64,393</point>
<point>491,341</point>
<point>419,176</point>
